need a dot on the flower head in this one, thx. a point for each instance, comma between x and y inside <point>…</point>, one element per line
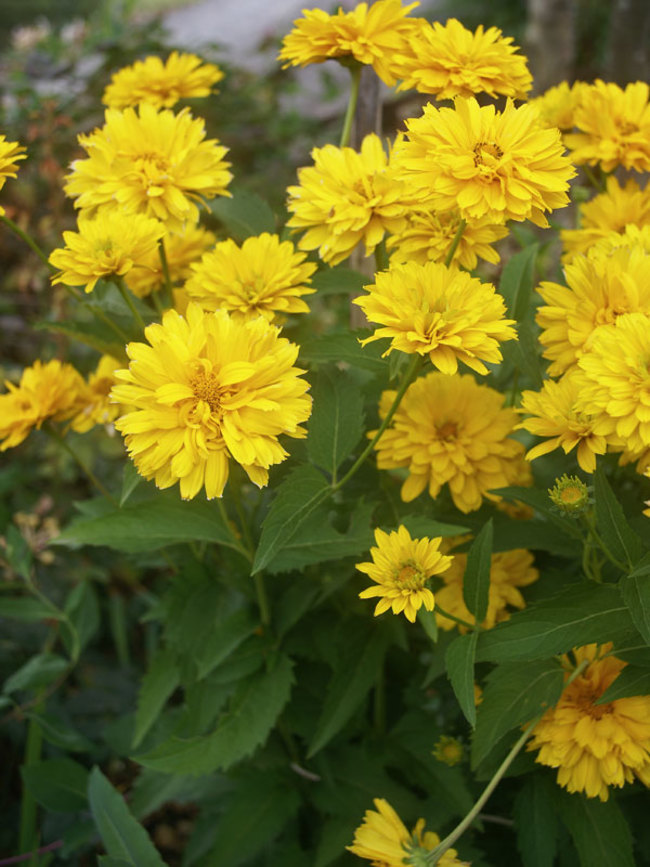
<point>347,198</point>
<point>448,750</point>
<point>181,76</point>
<point>263,277</point>
<point>440,312</point>
<point>499,165</point>
<point>570,495</point>
<point>557,105</point>
<point>448,60</point>
<point>370,34</point>
<point>109,244</point>
<point>10,153</point>
<point>145,161</point>
<point>595,746</point>
<point>207,388</point>
<point>94,406</point>
<point>451,430</point>
<point>401,568</point>
<point>181,250</point>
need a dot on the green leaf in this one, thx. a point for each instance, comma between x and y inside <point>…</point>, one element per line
<point>632,681</point>
<point>346,348</point>
<point>40,671</point>
<point>459,662</point>
<point>28,609</point>
<point>57,784</point>
<point>360,664</point>
<point>82,610</point>
<point>599,831</point>
<point>229,632</point>
<point>517,281</point>
<point>60,733</point>
<point>513,695</point>
<point>429,623</point>
<point>636,594</point>
<point>580,614</point>
<point>253,712</point>
<point>92,333</point>
<point>158,684</point>
<point>536,822</point>
<point>122,835</point>
<point>476,581</point>
<point>297,497</point>
<point>336,423</point>
<point>540,501</point>
<point>17,552</point>
<point>642,568</point>
<point>131,478</point>
<point>244,214</point>
<point>107,861</point>
<point>620,539</point>
<point>339,281</point>
<point>420,525</point>
<point>527,357</point>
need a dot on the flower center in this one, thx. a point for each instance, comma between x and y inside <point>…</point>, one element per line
<point>205,386</point>
<point>409,578</point>
<point>155,167</point>
<point>487,154</point>
<point>448,431</point>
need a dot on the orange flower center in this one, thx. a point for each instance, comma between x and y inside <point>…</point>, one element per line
<point>409,577</point>
<point>205,386</point>
<point>487,154</point>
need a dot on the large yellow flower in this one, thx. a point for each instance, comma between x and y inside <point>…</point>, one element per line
<point>208,388</point>
<point>595,746</point>
<point>557,105</point>
<point>46,391</point>
<point>600,288</point>
<point>94,406</point>
<point>500,165</point>
<point>451,430</point>
<point>370,34</point>
<point>149,162</point>
<point>263,277</point>
<point>346,198</point>
<point>10,153</point>
<point>449,60</point>
<point>181,76</point>
<point>401,567</point>
<point>509,570</point>
<point>108,244</point>
<point>181,250</point>
<point>437,311</point>
<point>383,839</point>
<point>614,127</point>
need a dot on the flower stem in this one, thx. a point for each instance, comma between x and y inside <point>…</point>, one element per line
<point>55,435</point>
<point>355,73</point>
<point>443,613</point>
<point>31,243</point>
<point>236,544</point>
<point>126,295</point>
<point>27,838</point>
<point>455,242</point>
<point>381,256</point>
<point>262,599</point>
<point>168,297</point>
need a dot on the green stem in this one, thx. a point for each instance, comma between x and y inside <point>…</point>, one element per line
<point>262,599</point>
<point>381,256</point>
<point>168,297</point>
<point>598,184</point>
<point>409,376</point>
<point>55,435</point>
<point>27,839</point>
<point>443,613</point>
<point>355,73</point>
<point>31,243</point>
<point>455,242</point>
<point>126,295</point>
<point>236,543</point>
<point>589,522</point>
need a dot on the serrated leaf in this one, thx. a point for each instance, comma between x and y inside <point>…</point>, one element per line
<point>517,280</point>
<point>630,682</point>
<point>297,497</point>
<point>642,568</point>
<point>122,835</point>
<point>38,672</point>
<point>59,733</point>
<point>253,712</point>
<point>536,822</point>
<point>336,423</point>
<point>459,662</point>
<point>636,595</point>
<point>616,533</point>
<point>580,614</point>
<point>346,348</point>
<point>229,632</point>
<point>159,682</point>
<point>57,784</point>
<point>476,580</point>
<point>339,281</point>
<point>514,693</point>
<point>28,609</point>
<point>599,830</point>
<point>244,214</point>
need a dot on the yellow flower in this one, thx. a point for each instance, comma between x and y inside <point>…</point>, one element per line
<point>346,198</point>
<point>401,568</point>
<point>208,388</point>
<point>370,34</point>
<point>509,570</point>
<point>428,236</point>
<point>383,839</point>
<point>181,76</point>
<point>612,211</point>
<point>595,746</point>
<point>614,127</point>
<point>617,386</point>
<point>600,288</point>
<point>10,153</point>
<point>499,165</point>
<point>93,402</point>
<point>440,312</point>
<point>554,414</point>
<point>181,250</point>
<point>45,391</point>
<point>263,277</point>
<point>109,244</point>
<point>451,430</point>
<point>448,750</point>
<point>149,162</point>
<point>557,105</point>
<point>448,60</point>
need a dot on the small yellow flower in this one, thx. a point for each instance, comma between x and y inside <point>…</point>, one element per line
<point>448,750</point>
<point>94,405</point>
<point>181,76</point>
<point>557,105</point>
<point>440,312</point>
<point>401,568</point>
<point>181,250</point>
<point>10,153</point>
<point>570,495</point>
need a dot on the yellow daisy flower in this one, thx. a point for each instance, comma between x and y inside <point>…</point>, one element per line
<point>383,839</point>
<point>149,162</point>
<point>263,277</point>
<point>94,405</point>
<point>614,127</point>
<point>10,153</point>
<point>595,746</point>
<point>448,750</point>
<point>449,60</point>
<point>557,105</point>
<point>499,165</point>
<point>347,198</point>
<point>401,568</point>
<point>45,391</point>
<point>370,34</point>
<point>207,388</point>
<point>109,244</point>
<point>450,430</point>
<point>437,311</point>
<point>181,76</point>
